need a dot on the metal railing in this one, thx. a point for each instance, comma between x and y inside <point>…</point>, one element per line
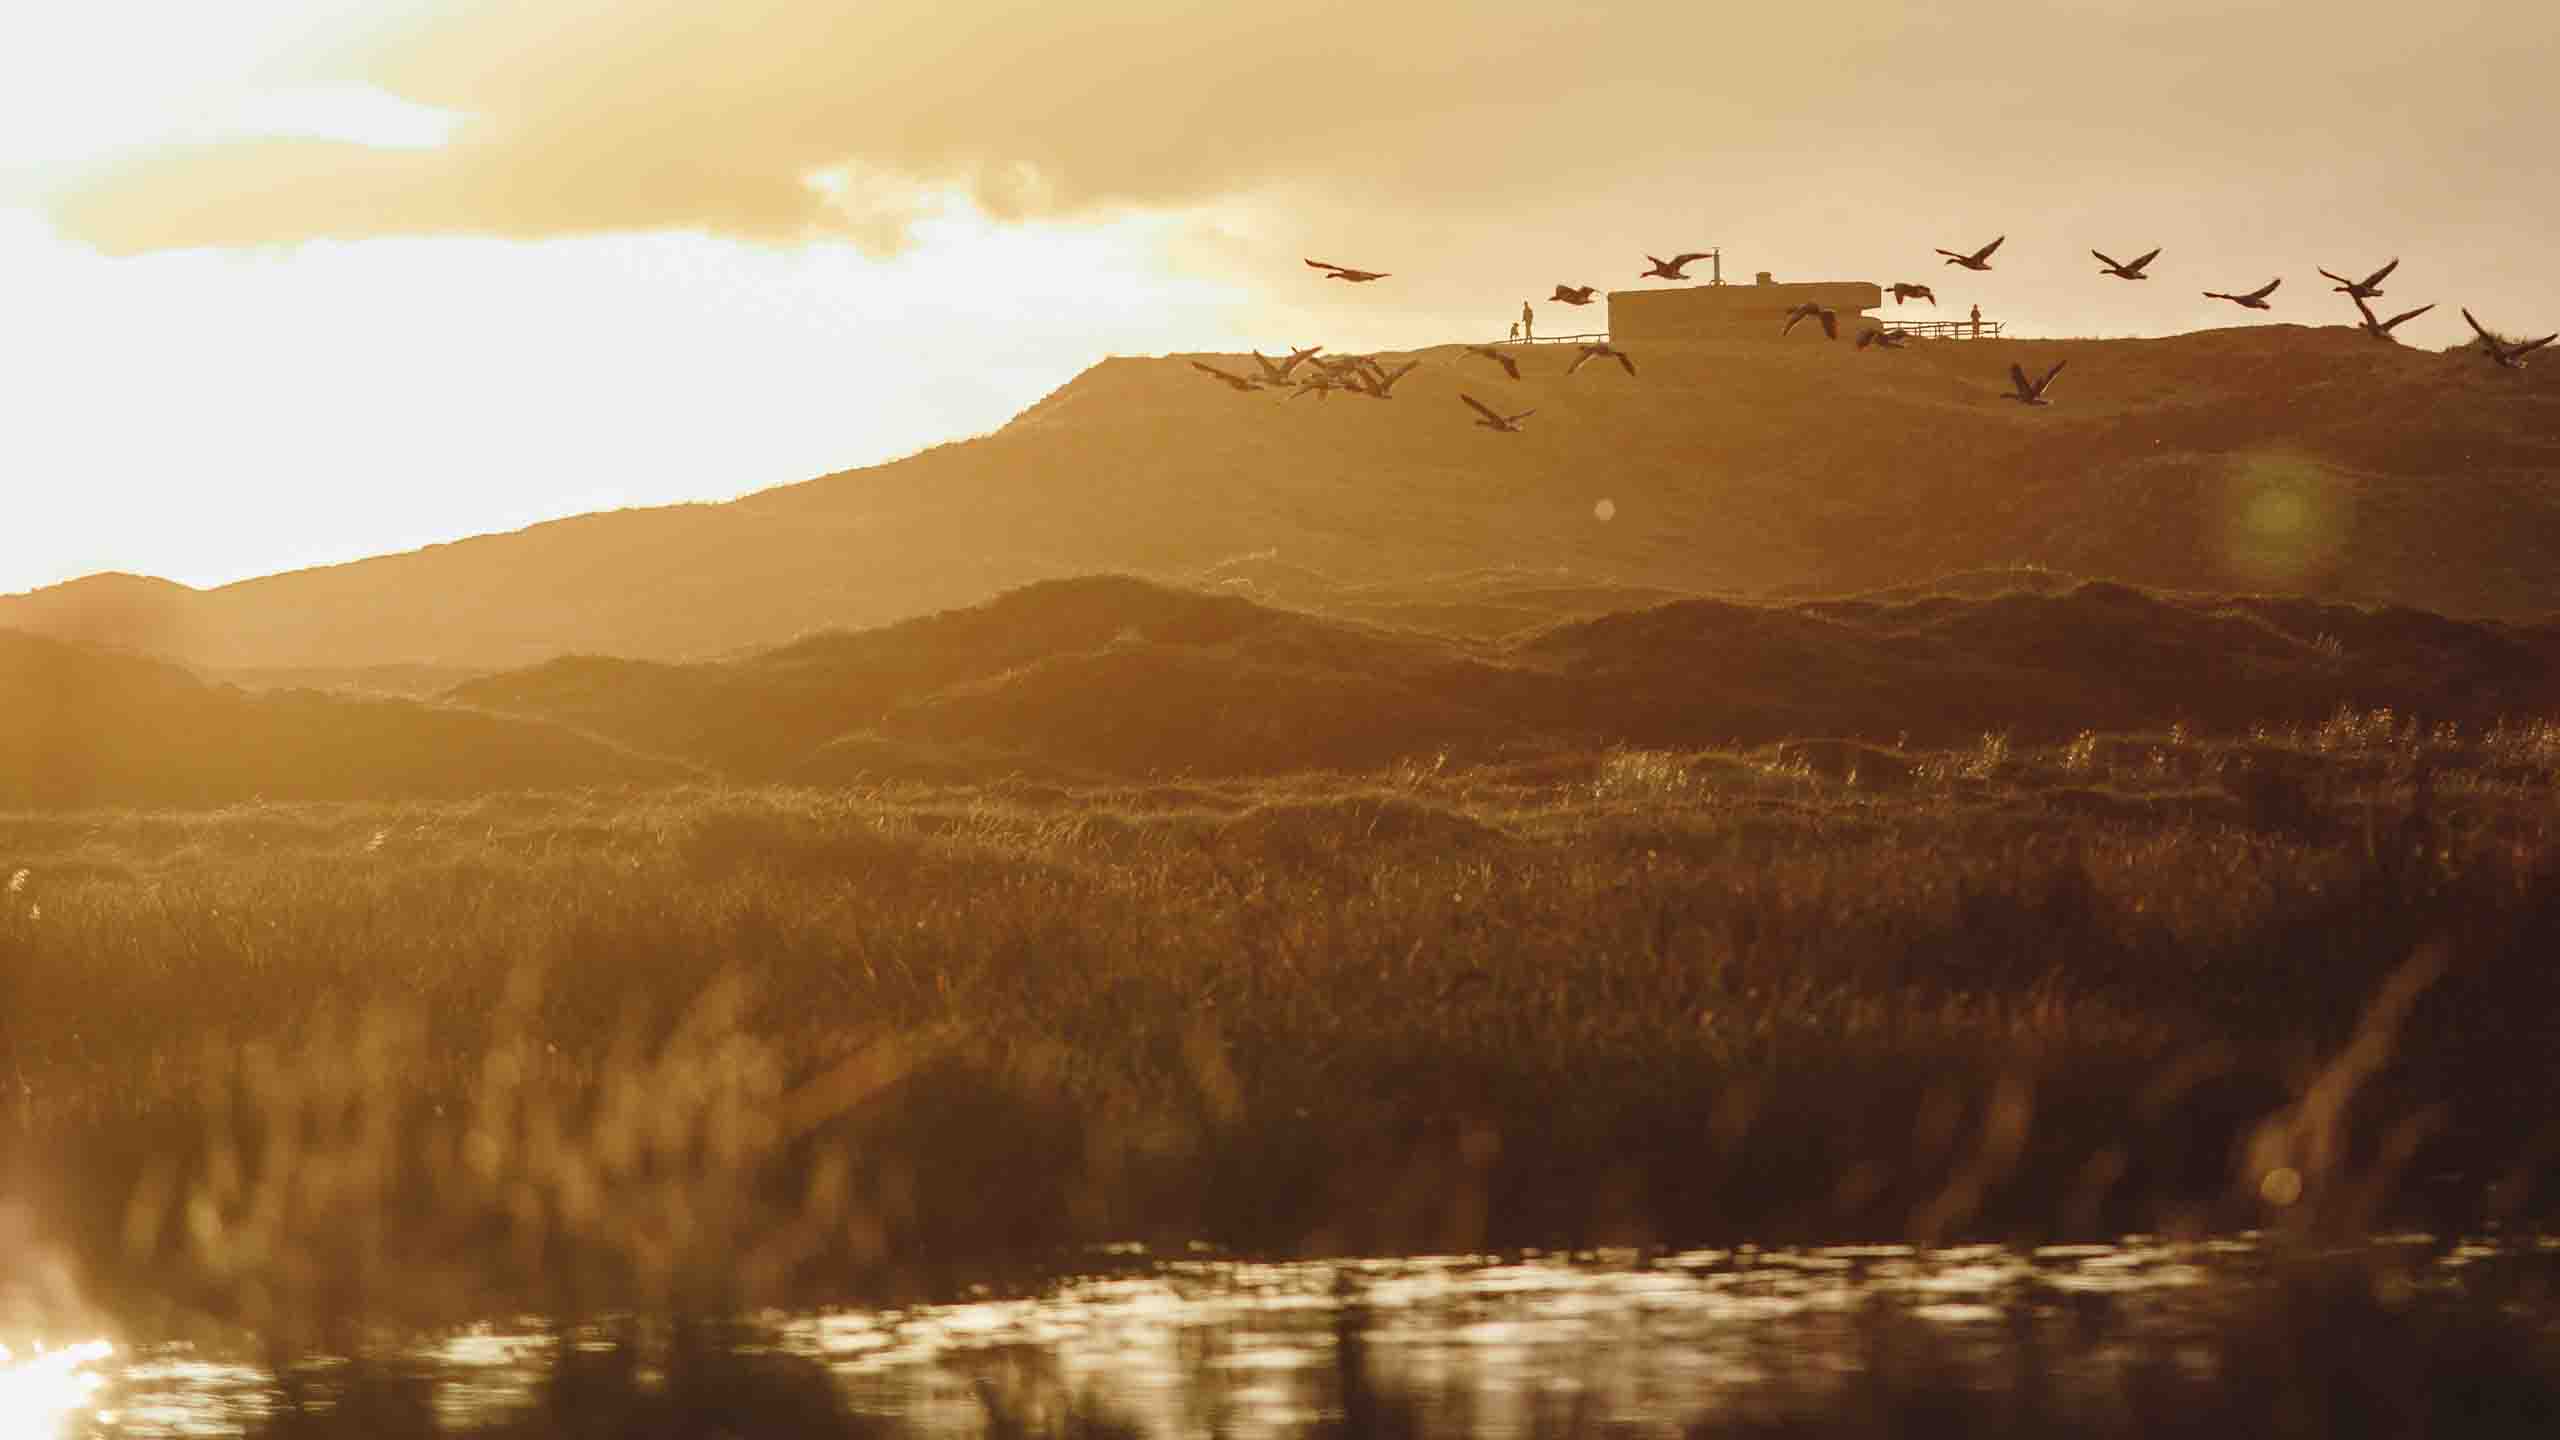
<point>1945,329</point>
<point>1583,339</point>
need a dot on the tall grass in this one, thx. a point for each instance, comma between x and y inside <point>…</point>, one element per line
<point>315,1068</point>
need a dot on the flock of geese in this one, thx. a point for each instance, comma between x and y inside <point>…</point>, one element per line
<point>1365,375</point>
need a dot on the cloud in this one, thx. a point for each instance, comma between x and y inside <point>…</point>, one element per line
<point>776,119</point>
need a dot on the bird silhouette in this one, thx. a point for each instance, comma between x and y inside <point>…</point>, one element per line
<point>1882,339</point>
<point>2509,354</point>
<point>1904,290</point>
<point>2031,392</point>
<point>2126,269</point>
<point>1978,260</point>
<point>1810,311</point>
<point>1577,294</point>
<point>1345,272</point>
<point>1509,366</point>
<point>2365,289</point>
<point>1600,351</point>
<point>2254,300</point>
<point>1277,372</point>
<point>1380,384</point>
<point>1494,419</point>
<point>1670,269</point>
<point>2381,329</point>
<point>1237,383</point>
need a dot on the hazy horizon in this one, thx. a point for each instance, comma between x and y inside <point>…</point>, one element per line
<point>297,287</point>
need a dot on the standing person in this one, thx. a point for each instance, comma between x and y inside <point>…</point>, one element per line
<point>1977,322</point>
<point>1528,322</point>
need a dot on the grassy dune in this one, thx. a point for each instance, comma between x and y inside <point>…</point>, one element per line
<point>2272,457</point>
<point>79,727</point>
<point>1115,677</point>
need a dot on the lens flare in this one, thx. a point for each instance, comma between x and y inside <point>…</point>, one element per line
<point>39,1394</point>
<point>2282,519</point>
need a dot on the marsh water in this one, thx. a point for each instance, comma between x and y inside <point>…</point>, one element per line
<point>1194,1344</point>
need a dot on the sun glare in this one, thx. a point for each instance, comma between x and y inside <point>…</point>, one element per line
<point>39,1394</point>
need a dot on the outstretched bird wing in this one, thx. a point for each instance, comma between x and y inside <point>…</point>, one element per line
<point>2479,329</point>
<point>2047,381</point>
<point>1578,362</point>
<point>1480,408</point>
<point>2376,277</point>
<point>1321,265</point>
<point>1625,359</point>
<point>1985,252</point>
<point>2145,260</point>
<point>2103,260</point>
<point>1679,260</point>
<point>2018,377</point>
<point>1831,324</point>
<point>2527,347</point>
<point>1795,317</point>
<point>2394,321</point>
<point>2263,291</point>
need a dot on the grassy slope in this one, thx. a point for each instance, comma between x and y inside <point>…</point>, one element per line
<point>82,728</point>
<point>1118,676</point>
<point>2272,457</point>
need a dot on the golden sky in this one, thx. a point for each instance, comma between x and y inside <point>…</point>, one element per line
<point>295,281</point>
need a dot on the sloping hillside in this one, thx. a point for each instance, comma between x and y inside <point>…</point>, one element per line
<point>88,729</point>
<point>1110,676</point>
<point>2262,459</point>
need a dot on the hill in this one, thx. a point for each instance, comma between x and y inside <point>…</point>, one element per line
<point>87,729</point>
<point>1118,677</point>
<point>2266,458</point>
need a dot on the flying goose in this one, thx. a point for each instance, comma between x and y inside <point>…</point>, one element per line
<point>1277,372</point>
<point>1345,272</point>
<point>1381,384</point>
<point>1238,383</point>
<point>1882,339</point>
<point>1810,311</point>
<point>2366,288</point>
<point>1904,290</point>
<point>1600,351</point>
<point>1670,269</point>
<point>2254,300</point>
<point>1581,294</point>
<point>2031,392</point>
<point>2508,353</point>
<point>1978,260</point>
<point>1493,419</point>
<point>2381,329</point>
<point>2127,269</point>
<point>1509,366</point>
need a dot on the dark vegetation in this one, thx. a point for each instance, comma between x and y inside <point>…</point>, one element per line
<point>2267,457</point>
<point>317,1066</point>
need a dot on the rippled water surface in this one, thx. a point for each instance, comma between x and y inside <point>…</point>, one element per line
<point>1181,1346</point>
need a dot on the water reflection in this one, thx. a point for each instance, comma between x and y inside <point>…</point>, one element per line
<point>1190,1346</point>
<point>45,1391</point>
